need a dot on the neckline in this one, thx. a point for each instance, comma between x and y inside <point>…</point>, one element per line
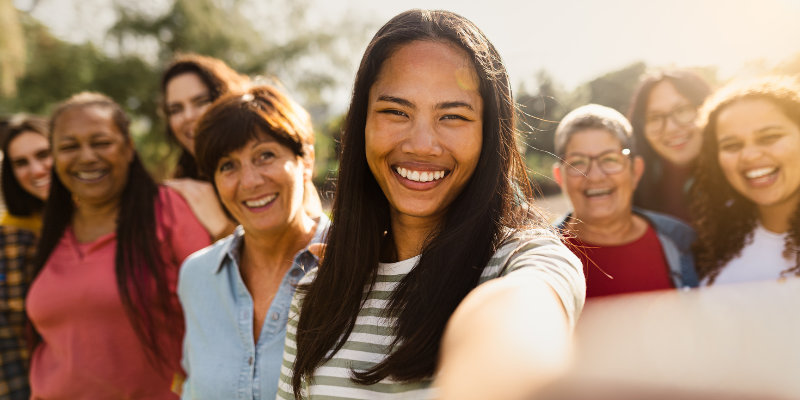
<point>400,267</point>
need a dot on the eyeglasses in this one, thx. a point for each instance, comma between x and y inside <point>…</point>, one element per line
<point>654,124</point>
<point>610,162</point>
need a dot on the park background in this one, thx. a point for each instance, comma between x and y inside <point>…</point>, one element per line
<point>561,54</point>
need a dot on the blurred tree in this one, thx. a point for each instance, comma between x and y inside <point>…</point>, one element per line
<point>615,89</point>
<point>12,49</point>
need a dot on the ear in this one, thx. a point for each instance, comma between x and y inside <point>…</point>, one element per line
<point>638,170</point>
<point>557,174</point>
<point>130,149</point>
<point>308,164</point>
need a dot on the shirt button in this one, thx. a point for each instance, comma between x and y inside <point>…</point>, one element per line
<point>275,316</point>
<point>295,272</point>
<point>250,361</point>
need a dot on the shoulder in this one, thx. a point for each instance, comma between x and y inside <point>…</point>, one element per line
<point>540,242</point>
<point>676,230</point>
<point>206,261</point>
<point>13,240</point>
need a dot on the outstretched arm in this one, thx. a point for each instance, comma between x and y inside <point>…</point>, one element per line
<point>508,338</point>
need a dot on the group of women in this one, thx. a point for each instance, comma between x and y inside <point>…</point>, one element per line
<point>438,277</point>
<point>722,161</point>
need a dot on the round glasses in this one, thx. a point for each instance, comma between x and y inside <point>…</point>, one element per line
<point>654,124</point>
<point>610,162</point>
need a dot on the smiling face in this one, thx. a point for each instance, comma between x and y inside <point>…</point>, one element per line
<point>758,148</point>
<point>262,185</point>
<point>31,161</point>
<point>187,98</point>
<point>598,197</point>
<point>424,128</point>
<point>674,137</point>
<point>91,155</point>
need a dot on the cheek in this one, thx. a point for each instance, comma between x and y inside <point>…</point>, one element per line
<point>226,188</point>
<point>728,162</point>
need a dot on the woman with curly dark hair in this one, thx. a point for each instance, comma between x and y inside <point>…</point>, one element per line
<point>748,183</point>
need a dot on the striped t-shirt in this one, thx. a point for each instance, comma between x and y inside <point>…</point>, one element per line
<point>369,342</point>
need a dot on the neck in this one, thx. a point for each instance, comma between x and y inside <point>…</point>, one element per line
<point>91,214</point>
<point>778,218</point>
<point>409,233</point>
<point>276,250</point>
<point>619,230</point>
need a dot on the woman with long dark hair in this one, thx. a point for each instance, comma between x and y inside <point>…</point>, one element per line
<point>433,227</point>
<point>663,113</point>
<point>26,170</point>
<point>748,183</point>
<point>103,300</point>
<point>259,149</point>
<point>189,85</point>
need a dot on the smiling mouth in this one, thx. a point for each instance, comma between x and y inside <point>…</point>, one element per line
<point>421,176</point>
<point>258,203</point>
<point>678,141</point>
<point>90,175</point>
<point>590,193</point>
<point>761,176</point>
<point>41,182</point>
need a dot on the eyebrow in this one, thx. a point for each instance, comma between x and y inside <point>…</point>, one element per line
<point>440,106</point>
<point>769,127</point>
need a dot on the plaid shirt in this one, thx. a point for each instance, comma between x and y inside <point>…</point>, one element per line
<point>17,248</point>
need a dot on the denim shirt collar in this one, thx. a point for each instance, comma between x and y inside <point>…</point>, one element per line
<point>232,247</point>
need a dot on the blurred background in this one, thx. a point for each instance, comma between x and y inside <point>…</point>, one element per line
<point>561,54</point>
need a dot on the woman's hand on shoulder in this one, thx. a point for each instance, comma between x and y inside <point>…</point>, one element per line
<point>205,205</point>
<point>507,339</point>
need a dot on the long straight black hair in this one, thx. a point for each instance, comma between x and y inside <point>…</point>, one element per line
<point>139,268</point>
<point>496,201</point>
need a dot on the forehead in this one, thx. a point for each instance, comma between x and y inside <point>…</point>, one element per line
<point>427,68</point>
<point>665,96</point>
<point>24,141</point>
<point>85,119</point>
<point>185,86</point>
<point>748,116</point>
<point>592,141</point>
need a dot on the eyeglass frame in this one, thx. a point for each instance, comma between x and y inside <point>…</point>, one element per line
<point>571,171</point>
<point>670,115</point>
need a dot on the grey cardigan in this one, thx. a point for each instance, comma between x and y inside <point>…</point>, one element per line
<point>676,240</point>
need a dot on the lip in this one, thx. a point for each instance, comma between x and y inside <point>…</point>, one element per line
<point>599,197</point>
<point>262,208</point>
<point>420,167</point>
<point>678,142</point>
<point>763,180</point>
<point>100,174</point>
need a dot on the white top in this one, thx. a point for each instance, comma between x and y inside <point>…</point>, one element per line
<point>761,259</point>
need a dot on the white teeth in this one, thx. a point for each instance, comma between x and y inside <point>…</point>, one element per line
<point>260,202</point>
<point>759,172</point>
<point>425,176</point>
<point>41,182</point>
<point>89,175</point>
<point>597,192</point>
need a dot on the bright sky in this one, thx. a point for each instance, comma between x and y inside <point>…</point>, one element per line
<point>578,40</point>
<point>575,40</point>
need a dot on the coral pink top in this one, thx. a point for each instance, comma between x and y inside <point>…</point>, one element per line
<point>89,349</point>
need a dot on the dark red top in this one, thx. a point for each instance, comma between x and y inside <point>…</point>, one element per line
<point>635,267</point>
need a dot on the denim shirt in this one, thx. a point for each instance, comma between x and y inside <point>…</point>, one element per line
<point>220,357</point>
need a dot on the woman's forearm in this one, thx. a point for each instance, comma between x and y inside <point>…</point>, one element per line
<point>506,340</point>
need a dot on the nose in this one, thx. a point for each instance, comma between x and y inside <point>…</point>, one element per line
<point>40,168</point>
<point>250,177</point>
<point>423,140</point>
<point>595,173</point>
<point>86,154</point>
<point>751,153</point>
